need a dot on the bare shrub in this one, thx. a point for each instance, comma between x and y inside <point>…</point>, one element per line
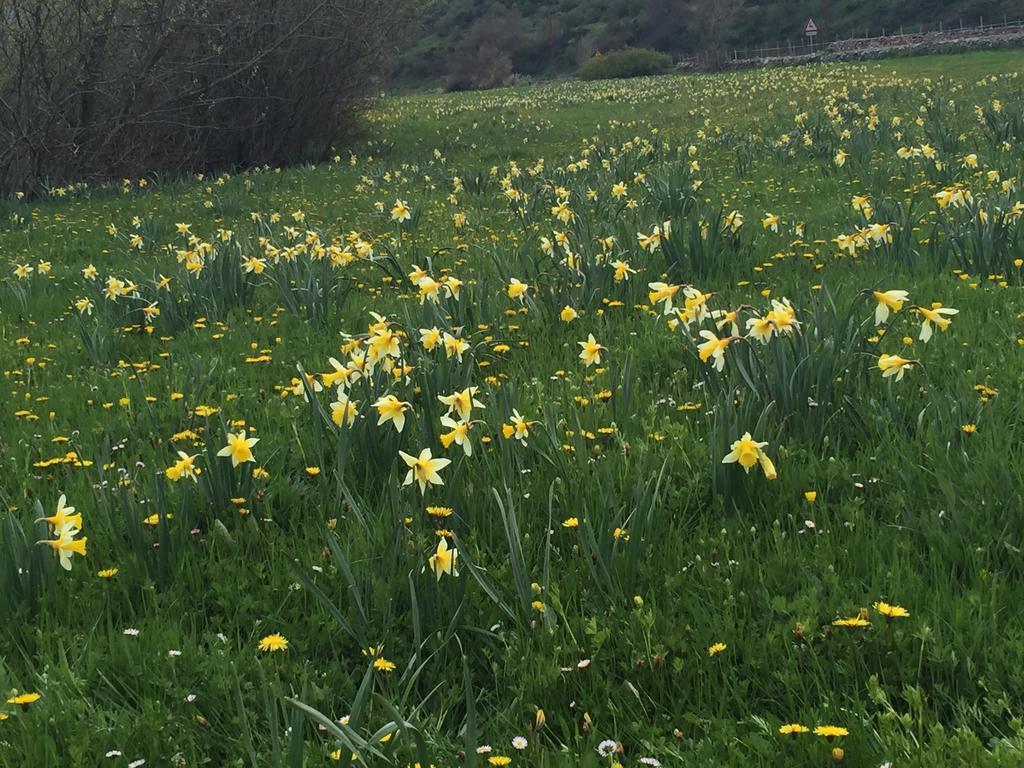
<point>110,88</point>
<point>483,58</point>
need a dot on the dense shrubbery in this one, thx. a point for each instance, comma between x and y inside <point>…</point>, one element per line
<point>625,62</point>
<point>554,38</point>
<point>100,88</point>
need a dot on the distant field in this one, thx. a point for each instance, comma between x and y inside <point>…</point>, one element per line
<point>724,373</point>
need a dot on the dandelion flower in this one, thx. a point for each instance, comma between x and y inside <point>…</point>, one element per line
<point>607,748</point>
<point>274,643</point>
<point>830,731</point>
<point>890,611</point>
<point>792,729</point>
<point>24,700</point>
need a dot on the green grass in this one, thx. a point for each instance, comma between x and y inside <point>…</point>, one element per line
<point>604,625</point>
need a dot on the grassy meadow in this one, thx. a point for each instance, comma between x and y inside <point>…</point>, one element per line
<point>673,421</point>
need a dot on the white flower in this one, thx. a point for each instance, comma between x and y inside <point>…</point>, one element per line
<point>131,632</point>
<point>607,748</point>
<point>114,753</point>
<point>520,742</point>
<point>483,749</point>
<point>651,761</point>
<point>137,763</point>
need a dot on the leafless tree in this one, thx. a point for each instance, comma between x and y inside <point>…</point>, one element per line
<point>110,88</point>
<point>483,57</point>
<point>711,22</point>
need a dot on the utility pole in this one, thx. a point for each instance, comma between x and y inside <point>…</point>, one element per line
<point>824,21</point>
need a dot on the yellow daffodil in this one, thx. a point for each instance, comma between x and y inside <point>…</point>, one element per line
<point>936,315</point>
<point>64,516</point>
<point>590,352</point>
<point>400,212</point>
<point>760,328</point>
<point>443,560</point>
<point>519,428</point>
<point>516,289</point>
<point>622,270</point>
<point>183,467</point>
<point>462,402</point>
<point>783,317</point>
<point>239,448</point>
<point>343,410</point>
<point>713,348</point>
<point>888,300</point>
<point>894,365</point>
<point>454,346</point>
<point>390,408</point>
<point>458,434</point>
<point>423,469</point>
<point>430,337</point>
<point>66,545</point>
<point>749,452</point>
<point>663,293</point>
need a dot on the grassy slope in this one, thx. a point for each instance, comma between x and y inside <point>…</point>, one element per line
<point>919,514</point>
<point>768,22</point>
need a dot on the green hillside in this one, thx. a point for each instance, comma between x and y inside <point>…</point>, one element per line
<point>542,37</point>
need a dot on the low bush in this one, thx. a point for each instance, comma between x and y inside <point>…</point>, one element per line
<point>625,62</point>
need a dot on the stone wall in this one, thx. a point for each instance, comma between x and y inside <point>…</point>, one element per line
<point>866,49</point>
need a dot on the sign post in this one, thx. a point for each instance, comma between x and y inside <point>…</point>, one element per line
<point>811,30</point>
